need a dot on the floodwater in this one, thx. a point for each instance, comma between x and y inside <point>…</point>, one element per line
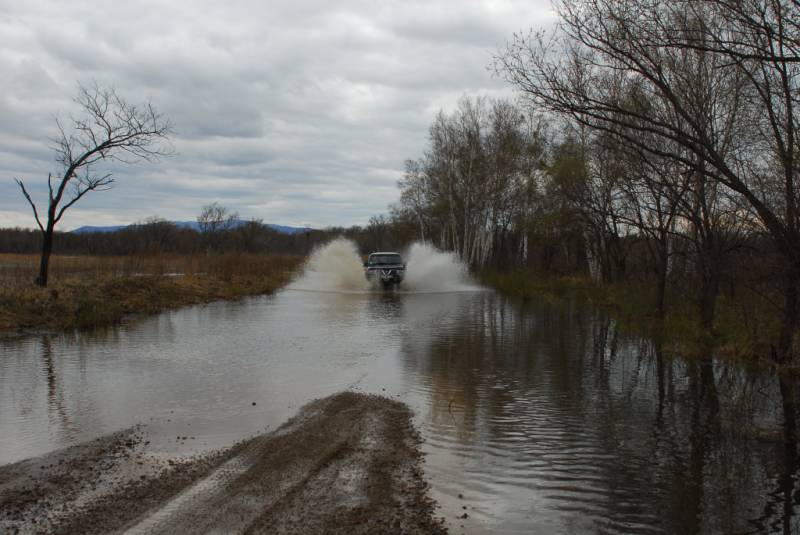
<point>537,418</point>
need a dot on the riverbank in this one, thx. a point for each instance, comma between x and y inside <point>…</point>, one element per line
<point>745,325</point>
<point>348,463</point>
<point>94,291</point>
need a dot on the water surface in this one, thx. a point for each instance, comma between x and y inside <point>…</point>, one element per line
<point>536,417</point>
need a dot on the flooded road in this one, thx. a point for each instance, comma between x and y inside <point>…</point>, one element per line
<point>536,417</point>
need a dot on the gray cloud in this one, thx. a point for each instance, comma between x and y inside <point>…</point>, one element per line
<point>294,112</point>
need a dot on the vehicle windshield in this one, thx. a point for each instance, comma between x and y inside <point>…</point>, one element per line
<point>385,259</point>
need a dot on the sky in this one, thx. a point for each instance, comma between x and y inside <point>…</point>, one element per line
<point>294,112</point>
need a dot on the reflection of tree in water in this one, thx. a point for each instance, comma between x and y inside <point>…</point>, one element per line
<point>56,404</point>
<point>780,511</point>
<point>656,440</point>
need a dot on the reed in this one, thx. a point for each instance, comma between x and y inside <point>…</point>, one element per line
<point>91,291</point>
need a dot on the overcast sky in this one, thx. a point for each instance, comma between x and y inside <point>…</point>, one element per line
<point>297,112</point>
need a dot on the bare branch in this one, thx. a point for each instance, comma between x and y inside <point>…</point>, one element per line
<point>82,188</point>
<point>30,201</point>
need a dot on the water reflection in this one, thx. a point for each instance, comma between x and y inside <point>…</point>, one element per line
<point>548,417</point>
<point>543,417</point>
<point>55,392</point>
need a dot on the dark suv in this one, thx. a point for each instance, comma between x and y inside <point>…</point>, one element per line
<point>386,268</point>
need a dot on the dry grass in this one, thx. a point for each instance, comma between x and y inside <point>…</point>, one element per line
<point>89,291</point>
<point>20,270</point>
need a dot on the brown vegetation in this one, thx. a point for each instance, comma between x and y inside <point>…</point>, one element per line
<point>91,291</point>
<point>745,326</point>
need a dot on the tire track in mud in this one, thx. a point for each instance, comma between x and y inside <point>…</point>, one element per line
<point>348,463</point>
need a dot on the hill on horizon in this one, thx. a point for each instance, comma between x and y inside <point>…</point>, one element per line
<point>192,225</point>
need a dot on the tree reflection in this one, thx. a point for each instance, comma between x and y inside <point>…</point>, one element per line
<point>603,424</point>
<point>56,404</point>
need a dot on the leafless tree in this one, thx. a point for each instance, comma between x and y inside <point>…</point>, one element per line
<point>216,218</point>
<point>723,81</point>
<point>654,190</point>
<point>414,198</point>
<point>250,235</point>
<point>156,232</point>
<point>472,187</point>
<point>108,130</point>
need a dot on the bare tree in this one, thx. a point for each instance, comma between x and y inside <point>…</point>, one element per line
<point>723,81</point>
<point>414,188</point>
<point>156,233</point>
<point>214,221</point>
<point>215,218</point>
<point>252,235</point>
<point>474,183</point>
<point>109,130</point>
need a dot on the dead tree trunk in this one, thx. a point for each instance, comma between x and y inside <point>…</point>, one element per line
<point>47,249</point>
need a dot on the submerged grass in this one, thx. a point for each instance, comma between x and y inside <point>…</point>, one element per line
<point>744,328</point>
<point>530,285</point>
<point>93,291</point>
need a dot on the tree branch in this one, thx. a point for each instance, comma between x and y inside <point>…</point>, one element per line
<point>30,201</point>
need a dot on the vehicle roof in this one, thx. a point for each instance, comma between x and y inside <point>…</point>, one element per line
<point>384,252</point>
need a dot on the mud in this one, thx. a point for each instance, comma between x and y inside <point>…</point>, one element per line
<point>348,463</point>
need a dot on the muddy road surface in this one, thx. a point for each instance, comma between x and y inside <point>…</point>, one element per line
<point>348,463</point>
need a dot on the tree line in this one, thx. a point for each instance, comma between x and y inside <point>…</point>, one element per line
<point>157,236</point>
<point>650,137</point>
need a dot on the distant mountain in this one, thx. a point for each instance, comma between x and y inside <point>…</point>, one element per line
<point>193,225</point>
<point>88,229</point>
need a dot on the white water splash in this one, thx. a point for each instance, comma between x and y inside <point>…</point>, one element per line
<point>334,267</point>
<point>431,270</point>
<point>337,267</point>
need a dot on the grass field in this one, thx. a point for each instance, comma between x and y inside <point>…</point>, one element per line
<point>91,291</point>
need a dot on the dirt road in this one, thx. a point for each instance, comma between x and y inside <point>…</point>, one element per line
<point>348,463</point>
